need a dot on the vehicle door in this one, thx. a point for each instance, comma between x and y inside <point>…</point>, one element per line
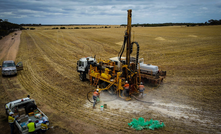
<point>19,66</point>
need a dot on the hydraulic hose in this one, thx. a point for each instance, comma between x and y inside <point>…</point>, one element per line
<point>122,48</point>
<point>141,100</point>
<point>90,96</point>
<point>137,56</point>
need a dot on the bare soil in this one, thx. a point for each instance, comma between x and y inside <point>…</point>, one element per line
<point>187,102</point>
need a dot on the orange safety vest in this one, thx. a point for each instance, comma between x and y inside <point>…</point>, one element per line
<point>126,86</point>
<point>96,94</point>
<point>141,87</point>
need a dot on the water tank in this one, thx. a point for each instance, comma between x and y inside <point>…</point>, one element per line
<point>148,68</point>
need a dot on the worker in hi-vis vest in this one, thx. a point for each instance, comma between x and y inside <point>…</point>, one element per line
<point>31,127</point>
<point>95,95</point>
<point>127,88</point>
<point>11,120</point>
<point>141,89</point>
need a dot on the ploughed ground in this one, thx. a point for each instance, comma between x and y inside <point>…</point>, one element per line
<point>188,101</point>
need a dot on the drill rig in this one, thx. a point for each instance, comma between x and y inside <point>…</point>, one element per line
<point>112,74</point>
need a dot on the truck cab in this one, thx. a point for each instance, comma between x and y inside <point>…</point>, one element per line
<point>83,65</point>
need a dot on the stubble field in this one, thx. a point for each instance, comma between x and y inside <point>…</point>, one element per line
<point>188,100</point>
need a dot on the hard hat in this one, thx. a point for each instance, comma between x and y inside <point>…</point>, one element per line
<point>98,90</point>
<point>11,113</point>
<point>29,120</point>
<point>126,81</point>
<point>141,83</point>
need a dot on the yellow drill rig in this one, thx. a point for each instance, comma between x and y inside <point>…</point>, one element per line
<point>112,74</point>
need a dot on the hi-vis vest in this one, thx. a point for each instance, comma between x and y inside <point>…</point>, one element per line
<point>95,93</point>
<point>11,119</point>
<point>141,87</point>
<point>31,127</point>
<point>44,126</point>
<point>126,86</point>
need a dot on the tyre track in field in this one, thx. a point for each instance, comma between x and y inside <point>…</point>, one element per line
<point>67,49</point>
<point>76,48</point>
<point>96,48</point>
<point>51,49</point>
<point>57,66</point>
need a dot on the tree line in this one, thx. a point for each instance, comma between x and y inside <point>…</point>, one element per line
<point>7,27</point>
<point>210,22</point>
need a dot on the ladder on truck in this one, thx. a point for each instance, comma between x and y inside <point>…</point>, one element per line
<point>96,81</point>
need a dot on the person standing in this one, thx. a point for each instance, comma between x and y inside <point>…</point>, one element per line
<point>141,89</point>
<point>31,127</point>
<point>95,95</point>
<point>11,120</point>
<point>127,88</point>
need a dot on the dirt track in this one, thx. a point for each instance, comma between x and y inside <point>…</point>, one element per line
<point>50,77</point>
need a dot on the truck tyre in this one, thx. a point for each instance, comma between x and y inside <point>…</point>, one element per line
<point>30,107</point>
<point>82,76</point>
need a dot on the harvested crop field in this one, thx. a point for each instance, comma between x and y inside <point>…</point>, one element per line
<point>187,102</point>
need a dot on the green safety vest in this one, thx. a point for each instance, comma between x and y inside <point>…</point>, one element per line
<point>31,127</point>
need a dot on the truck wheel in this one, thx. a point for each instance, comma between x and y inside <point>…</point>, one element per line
<point>82,76</point>
<point>30,107</point>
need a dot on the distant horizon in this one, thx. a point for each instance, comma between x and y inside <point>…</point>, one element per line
<point>112,24</point>
<point>111,12</point>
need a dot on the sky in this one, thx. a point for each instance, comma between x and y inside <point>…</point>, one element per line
<point>109,12</point>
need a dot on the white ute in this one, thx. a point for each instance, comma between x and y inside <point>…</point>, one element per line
<point>25,109</point>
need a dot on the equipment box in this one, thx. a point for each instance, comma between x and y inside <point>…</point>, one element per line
<point>21,111</point>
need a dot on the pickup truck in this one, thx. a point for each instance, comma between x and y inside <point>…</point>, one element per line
<point>9,67</point>
<point>25,109</point>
